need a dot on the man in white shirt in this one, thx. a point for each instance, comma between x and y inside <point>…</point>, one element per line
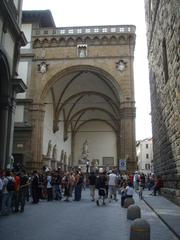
<point>128,193</point>
<point>112,184</point>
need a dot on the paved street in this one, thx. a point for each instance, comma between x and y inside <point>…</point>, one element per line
<point>78,221</point>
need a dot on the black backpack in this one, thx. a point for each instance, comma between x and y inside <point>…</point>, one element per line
<point>10,185</point>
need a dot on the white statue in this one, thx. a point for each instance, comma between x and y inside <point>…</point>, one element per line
<point>85,147</point>
<point>82,52</point>
<point>54,155</point>
<point>65,158</point>
<point>62,157</point>
<point>49,150</point>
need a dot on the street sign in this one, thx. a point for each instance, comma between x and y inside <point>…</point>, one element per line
<point>122,164</point>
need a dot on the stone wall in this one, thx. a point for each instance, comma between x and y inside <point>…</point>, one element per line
<point>163,29</point>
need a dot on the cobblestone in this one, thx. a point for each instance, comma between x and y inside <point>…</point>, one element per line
<point>78,221</point>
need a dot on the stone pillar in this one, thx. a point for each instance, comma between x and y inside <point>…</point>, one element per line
<point>10,131</point>
<point>4,108</point>
<point>37,120</point>
<point>127,135</point>
<point>118,143</point>
<point>72,148</point>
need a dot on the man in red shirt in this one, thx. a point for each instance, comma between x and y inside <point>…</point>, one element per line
<point>16,192</point>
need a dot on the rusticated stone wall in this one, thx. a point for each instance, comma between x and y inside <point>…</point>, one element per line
<point>163,31</point>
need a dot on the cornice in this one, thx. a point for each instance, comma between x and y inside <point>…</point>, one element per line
<point>9,13</point>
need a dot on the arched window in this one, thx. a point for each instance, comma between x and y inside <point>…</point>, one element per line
<point>165,60</point>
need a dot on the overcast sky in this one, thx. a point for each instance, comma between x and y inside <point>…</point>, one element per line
<point>114,12</point>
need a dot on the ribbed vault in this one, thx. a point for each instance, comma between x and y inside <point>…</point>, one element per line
<point>82,96</point>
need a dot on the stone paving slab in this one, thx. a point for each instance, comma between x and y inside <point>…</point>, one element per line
<point>78,221</point>
<point>166,210</point>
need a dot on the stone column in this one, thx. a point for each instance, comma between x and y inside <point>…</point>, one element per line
<point>37,119</point>
<point>118,144</point>
<point>4,108</point>
<point>127,136</point>
<point>72,147</point>
<point>10,131</point>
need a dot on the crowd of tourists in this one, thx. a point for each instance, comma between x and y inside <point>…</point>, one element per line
<point>17,187</point>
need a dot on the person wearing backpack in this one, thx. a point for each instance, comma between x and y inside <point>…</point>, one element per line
<point>8,191</point>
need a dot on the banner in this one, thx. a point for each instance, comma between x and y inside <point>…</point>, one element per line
<point>122,165</point>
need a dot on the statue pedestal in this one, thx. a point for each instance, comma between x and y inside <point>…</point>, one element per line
<point>54,164</point>
<point>47,161</point>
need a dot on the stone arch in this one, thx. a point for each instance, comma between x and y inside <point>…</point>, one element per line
<point>53,41</point>
<point>45,42</point>
<point>62,41</point>
<point>70,41</point>
<point>4,74</point>
<point>5,88</point>
<point>37,43</point>
<point>80,68</point>
<point>96,120</point>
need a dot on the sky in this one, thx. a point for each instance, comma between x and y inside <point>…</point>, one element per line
<point>115,12</point>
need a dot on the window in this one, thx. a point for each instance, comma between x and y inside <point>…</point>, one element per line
<point>146,145</point>
<point>147,156</point>
<point>104,30</point>
<point>165,60</point>
<point>82,50</point>
<point>113,29</point>
<point>79,31</point>
<point>150,10</point>
<point>70,31</point>
<point>147,166</point>
<point>88,30</point>
<point>96,30</point>
<point>62,31</point>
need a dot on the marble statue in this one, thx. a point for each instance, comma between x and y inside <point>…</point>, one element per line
<point>54,155</point>
<point>85,148</point>
<point>49,150</point>
<point>62,157</point>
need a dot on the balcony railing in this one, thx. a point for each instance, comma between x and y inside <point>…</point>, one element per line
<point>91,30</point>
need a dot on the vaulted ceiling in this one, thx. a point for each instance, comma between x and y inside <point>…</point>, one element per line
<point>84,96</point>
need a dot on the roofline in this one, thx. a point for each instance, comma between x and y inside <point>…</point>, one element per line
<point>32,15</point>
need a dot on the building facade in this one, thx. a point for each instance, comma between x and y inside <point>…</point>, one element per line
<point>163,31</point>
<point>79,107</point>
<point>144,153</point>
<point>11,39</point>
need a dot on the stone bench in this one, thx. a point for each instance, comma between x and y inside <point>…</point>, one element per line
<point>128,201</point>
<point>133,212</point>
<point>140,229</point>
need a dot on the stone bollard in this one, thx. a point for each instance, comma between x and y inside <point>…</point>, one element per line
<point>133,212</point>
<point>128,202</point>
<point>140,230</point>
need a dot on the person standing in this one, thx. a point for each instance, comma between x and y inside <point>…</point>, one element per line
<point>34,187</point>
<point>78,186</point>
<point>112,184</point>
<point>8,192</point>
<point>92,185</point>
<point>136,181</point>
<point>1,189</point>
<point>49,187</point>
<point>101,186</point>
<point>23,189</point>
<point>16,191</point>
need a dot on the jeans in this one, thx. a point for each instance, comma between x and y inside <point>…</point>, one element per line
<point>58,192</point>
<point>7,202</point>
